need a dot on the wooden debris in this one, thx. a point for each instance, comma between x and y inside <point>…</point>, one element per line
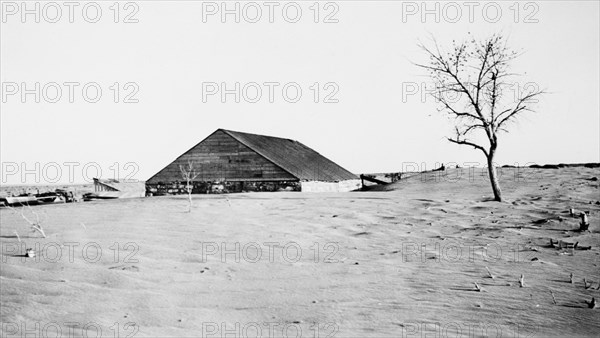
<point>553,298</point>
<point>584,224</point>
<point>566,245</point>
<point>592,303</point>
<point>522,281</point>
<point>571,278</point>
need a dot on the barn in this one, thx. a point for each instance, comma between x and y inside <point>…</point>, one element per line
<point>232,161</point>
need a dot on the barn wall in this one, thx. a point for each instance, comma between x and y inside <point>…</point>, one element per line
<point>178,188</point>
<point>342,186</point>
<point>220,157</point>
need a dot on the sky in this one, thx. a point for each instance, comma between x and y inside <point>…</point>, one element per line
<point>125,88</point>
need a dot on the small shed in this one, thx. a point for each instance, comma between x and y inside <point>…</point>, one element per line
<point>112,188</point>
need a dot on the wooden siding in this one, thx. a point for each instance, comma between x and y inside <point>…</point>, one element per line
<point>221,157</point>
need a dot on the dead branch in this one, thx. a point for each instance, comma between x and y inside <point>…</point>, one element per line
<point>35,225</point>
<point>188,174</point>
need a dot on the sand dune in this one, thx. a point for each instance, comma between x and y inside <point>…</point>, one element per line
<point>408,260</point>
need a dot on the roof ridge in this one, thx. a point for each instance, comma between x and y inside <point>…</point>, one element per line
<point>261,135</point>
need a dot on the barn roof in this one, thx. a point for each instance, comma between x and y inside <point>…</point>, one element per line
<point>294,157</point>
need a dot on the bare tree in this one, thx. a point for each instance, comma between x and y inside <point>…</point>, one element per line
<point>473,87</point>
<point>35,225</point>
<point>189,174</point>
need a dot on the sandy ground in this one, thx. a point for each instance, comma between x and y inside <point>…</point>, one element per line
<point>402,262</point>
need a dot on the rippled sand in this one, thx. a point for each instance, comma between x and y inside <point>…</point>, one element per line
<point>404,261</point>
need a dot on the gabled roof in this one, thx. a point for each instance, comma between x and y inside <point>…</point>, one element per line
<point>294,157</point>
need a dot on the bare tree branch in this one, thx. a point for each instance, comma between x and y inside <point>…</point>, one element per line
<point>189,174</point>
<point>477,72</point>
<point>467,143</point>
<point>521,106</point>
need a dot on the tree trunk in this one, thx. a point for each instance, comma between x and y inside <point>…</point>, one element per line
<point>494,178</point>
<point>189,191</point>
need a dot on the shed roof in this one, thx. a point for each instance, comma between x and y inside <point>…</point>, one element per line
<point>124,185</point>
